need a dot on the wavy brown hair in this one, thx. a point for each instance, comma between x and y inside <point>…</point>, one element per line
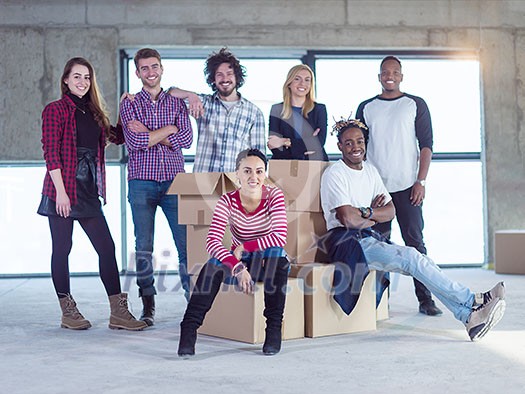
<point>96,103</point>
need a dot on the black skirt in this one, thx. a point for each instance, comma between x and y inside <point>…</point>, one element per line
<point>88,202</point>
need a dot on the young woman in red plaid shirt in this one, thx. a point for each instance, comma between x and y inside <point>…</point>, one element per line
<point>75,130</point>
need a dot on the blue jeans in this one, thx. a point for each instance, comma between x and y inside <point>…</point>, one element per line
<point>411,223</point>
<point>144,197</point>
<point>408,261</point>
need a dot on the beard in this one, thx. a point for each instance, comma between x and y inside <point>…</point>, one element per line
<point>225,91</point>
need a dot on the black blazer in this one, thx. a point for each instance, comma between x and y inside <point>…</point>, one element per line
<point>302,139</point>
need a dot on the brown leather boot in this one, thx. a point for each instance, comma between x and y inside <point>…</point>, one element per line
<point>71,317</point>
<point>148,312</point>
<point>121,318</point>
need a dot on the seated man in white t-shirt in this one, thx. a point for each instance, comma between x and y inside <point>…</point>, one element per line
<point>354,198</point>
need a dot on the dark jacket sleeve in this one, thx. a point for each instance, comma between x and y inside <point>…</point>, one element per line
<point>275,127</point>
<point>321,123</point>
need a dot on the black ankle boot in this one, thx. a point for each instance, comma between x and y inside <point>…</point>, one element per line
<point>272,342</point>
<point>148,311</point>
<point>188,337</point>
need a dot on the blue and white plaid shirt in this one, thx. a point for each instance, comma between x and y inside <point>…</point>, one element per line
<point>225,131</point>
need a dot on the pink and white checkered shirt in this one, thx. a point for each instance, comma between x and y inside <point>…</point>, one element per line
<point>158,162</point>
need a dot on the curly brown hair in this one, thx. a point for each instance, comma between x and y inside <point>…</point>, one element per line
<point>216,59</point>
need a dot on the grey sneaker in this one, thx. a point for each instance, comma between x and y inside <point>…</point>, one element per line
<point>497,291</point>
<point>488,314</point>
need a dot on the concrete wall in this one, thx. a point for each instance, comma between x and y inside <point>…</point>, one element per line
<point>37,37</point>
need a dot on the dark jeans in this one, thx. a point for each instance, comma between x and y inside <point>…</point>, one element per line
<point>269,266</point>
<point>144,197</point>
<point>97,230</point>
<point>410,219</point>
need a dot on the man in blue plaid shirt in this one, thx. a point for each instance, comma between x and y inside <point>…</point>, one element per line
<point>227,122</point>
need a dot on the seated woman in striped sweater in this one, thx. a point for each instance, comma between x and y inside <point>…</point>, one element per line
<point>257,218</point>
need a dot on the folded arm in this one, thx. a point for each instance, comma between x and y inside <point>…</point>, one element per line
<point>351,217</point>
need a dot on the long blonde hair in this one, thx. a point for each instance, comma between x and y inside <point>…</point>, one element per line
<point>287,95</point>
<point>97,105</point>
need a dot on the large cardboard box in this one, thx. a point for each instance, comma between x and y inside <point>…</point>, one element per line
<point>509,252</point>
<point>304,230</point>
<point>198,194</point>
<point>300,180</point>
<point>196,246</point>
<point>238,316</point>
<point>323,316</point>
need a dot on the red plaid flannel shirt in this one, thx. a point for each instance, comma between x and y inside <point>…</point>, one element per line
<point>59,143</point>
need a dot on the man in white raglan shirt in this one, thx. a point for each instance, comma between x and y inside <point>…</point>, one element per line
<point>400,147</point>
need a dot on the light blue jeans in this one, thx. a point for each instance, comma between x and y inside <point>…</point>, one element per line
<point>144,197</point>
<point>408,261</point>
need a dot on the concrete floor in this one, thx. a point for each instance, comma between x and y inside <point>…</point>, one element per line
<point>409,353</point>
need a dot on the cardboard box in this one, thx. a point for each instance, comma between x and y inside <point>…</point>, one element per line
<point>509,252</point>
<point>382,311</point>
<point>304,229</point>
<point>198,194</point>
<point>238,316</point>
<point>196,246</point>
<point>323,316</point>
<point>300,180</point>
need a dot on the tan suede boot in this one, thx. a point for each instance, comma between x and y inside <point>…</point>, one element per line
<point>71,317</point>
<point>121,317</point>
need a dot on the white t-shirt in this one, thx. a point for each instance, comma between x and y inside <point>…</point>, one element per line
<point>342,185</point>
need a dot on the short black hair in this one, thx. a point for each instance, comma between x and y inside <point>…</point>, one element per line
<point>251,152</point>
<point>390,57</point>
<point>216,59</point>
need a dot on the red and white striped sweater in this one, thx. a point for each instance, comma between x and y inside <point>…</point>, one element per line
<point>265,227</point>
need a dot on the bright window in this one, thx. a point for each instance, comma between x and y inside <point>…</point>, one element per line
<point>449,87</point>
<point>26,240</point>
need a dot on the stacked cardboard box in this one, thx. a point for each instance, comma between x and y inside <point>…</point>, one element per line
<point>238,316</point>
<point>301,182</point>
<point>509,252</point>
<point>323,316</point>
<point>198,194</point>
<point>316,312</point>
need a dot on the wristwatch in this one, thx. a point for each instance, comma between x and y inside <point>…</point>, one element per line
<point>366,213</point>
<point>422,182</point>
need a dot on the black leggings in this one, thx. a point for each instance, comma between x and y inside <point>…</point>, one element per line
<point>97,230</point>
